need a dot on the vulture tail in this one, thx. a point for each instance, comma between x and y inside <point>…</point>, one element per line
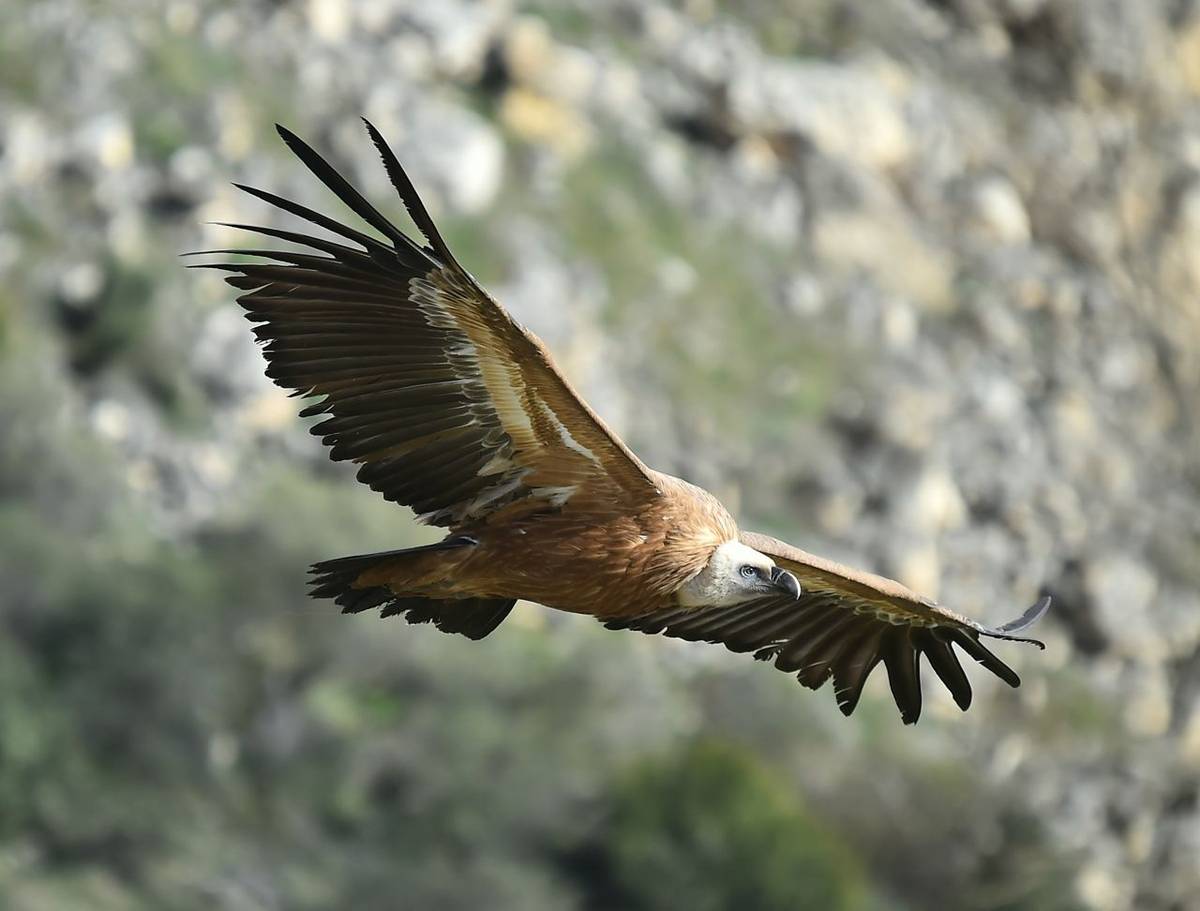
<point>367,581</point>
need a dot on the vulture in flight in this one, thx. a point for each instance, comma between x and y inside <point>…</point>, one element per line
<point>451,407</point>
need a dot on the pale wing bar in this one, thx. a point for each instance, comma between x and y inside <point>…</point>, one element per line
<point>404,398</point>
<point>421,372</point>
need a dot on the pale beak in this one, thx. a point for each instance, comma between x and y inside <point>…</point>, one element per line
<point>785,581</point>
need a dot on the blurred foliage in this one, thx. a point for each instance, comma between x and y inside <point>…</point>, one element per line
<point>709,828</point>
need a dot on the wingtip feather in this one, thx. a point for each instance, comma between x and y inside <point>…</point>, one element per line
<point>1032,615</point>
<point>410,197</point>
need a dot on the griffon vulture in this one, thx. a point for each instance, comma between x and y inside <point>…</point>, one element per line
<point>451,407</point>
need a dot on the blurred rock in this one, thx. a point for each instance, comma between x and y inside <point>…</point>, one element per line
<point>997,212</point>
<point>530,55</point>
<point>843,112</point>
<point>890,251</point>
<point>1147,708</point>
<point>330,20</point>
<point>459,31</point>
<point>931,503</point>
<point>544,121</point>
<point>1122,591</point>
<point>459,153</point>
<point>108,138</point>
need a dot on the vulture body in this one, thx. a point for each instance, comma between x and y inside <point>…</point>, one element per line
<point>452,408</point>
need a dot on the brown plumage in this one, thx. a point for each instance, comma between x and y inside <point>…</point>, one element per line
<point>452,408</point>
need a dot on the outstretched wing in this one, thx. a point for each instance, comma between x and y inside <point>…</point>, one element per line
<point>844,624</point>
<point>449,405</point>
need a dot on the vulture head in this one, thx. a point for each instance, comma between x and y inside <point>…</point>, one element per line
<point>735,574</point>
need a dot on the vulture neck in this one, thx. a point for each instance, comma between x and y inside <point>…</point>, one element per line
<point>702,540</point>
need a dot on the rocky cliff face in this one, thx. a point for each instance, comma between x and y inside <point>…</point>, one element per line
<point>916,284</point>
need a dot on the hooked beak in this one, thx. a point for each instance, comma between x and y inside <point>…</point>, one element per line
<point>785,581</point>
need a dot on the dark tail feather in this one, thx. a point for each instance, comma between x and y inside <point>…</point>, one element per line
<point>470,617</point>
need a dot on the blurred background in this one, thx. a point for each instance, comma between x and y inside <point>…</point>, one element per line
<point>913,283</point>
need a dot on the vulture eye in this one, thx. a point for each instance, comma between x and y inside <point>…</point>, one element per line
<point>748,571</point>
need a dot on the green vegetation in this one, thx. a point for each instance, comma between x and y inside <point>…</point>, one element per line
<point>709,828</point>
